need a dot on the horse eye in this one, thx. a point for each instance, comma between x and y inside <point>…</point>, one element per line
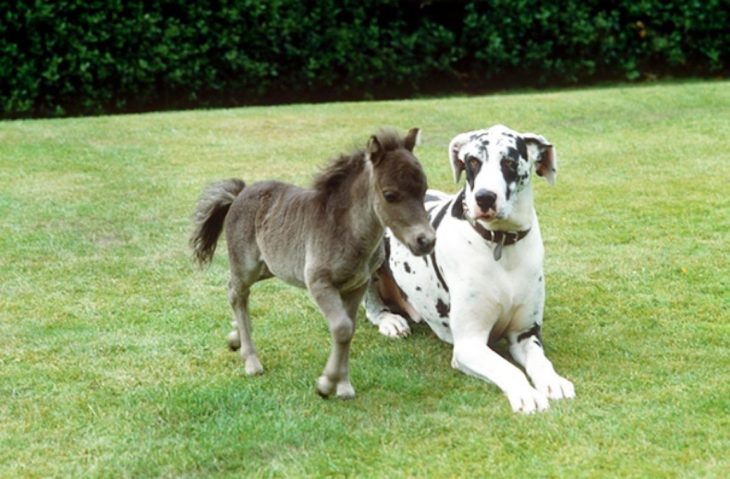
<point>390,196</point>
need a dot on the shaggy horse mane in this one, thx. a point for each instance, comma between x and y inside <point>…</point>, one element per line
<point>332,177</point>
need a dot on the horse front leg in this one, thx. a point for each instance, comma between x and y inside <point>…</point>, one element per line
<point>340,313</point>
<point>351,301</point>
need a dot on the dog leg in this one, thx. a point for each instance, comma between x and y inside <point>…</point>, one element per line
<point>526,348</point>
<point>378,313</point>
<point>392,294</point>
<point>335,377</point>
<point>381,291</point>
<point>473,357</point>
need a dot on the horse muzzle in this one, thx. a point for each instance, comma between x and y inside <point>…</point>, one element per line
<point>423,243</point>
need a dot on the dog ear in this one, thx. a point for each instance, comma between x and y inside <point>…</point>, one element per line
<point>412,139</point>
<point>542,154</point>
<point>374,150</point>
<point>457,166</point>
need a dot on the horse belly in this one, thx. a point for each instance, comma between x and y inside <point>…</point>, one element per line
<point>417,279</point>
<point>285,261</point>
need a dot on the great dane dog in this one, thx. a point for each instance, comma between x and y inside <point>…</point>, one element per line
<point>484,280</point>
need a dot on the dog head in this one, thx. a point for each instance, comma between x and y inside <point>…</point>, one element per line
<point>497,163</point>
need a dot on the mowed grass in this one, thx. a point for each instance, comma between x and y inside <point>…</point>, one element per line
<point>113,360</point>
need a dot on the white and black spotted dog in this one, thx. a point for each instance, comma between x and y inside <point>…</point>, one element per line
<point>484,281</point>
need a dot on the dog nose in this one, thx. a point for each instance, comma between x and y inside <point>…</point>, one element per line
<point>485,199</point>
<point>425,242</point>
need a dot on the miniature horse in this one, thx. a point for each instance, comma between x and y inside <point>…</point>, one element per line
<point>327,239</point>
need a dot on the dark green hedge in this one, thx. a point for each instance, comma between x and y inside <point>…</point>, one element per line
<point>89,56</point>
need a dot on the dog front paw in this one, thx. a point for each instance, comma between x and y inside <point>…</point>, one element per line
<point>555,387</point>
<point>526,400</point>
<point>393,325</point>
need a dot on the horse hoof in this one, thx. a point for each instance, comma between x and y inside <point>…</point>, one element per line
<point>325,387</point>
<point>234,341</point>
<point>345,390</point>
<point>253,366</point>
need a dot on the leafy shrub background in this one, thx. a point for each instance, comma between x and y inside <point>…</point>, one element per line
<point>78,57</point>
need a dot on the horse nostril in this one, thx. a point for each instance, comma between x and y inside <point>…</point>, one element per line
<point>425,242</point>
<point>485,199</point>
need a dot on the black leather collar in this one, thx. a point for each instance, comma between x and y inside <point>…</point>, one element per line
<point>501,238</point>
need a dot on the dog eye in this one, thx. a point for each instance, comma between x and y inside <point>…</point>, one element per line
<point>390,196</point>
<point>474,163</point>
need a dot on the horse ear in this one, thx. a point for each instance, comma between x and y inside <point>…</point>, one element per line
<point>457,166</point>
<point>541,153</point>
<point>374,149</point>
<point>412,139</point>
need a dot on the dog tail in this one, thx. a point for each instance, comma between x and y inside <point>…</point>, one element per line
<point>209,216</point>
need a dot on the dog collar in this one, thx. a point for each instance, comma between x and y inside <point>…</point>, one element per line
<point>501,238</point>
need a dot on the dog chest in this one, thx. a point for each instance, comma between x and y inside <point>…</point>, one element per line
<point>463,269</point>
<point>418,280</point>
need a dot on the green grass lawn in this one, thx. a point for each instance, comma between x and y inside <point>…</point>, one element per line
<point>114,363</point>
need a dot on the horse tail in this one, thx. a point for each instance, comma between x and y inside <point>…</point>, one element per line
<point>210,215</point>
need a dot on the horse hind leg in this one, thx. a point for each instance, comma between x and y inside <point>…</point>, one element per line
<point>247,268</point>
<point>240,337</point>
